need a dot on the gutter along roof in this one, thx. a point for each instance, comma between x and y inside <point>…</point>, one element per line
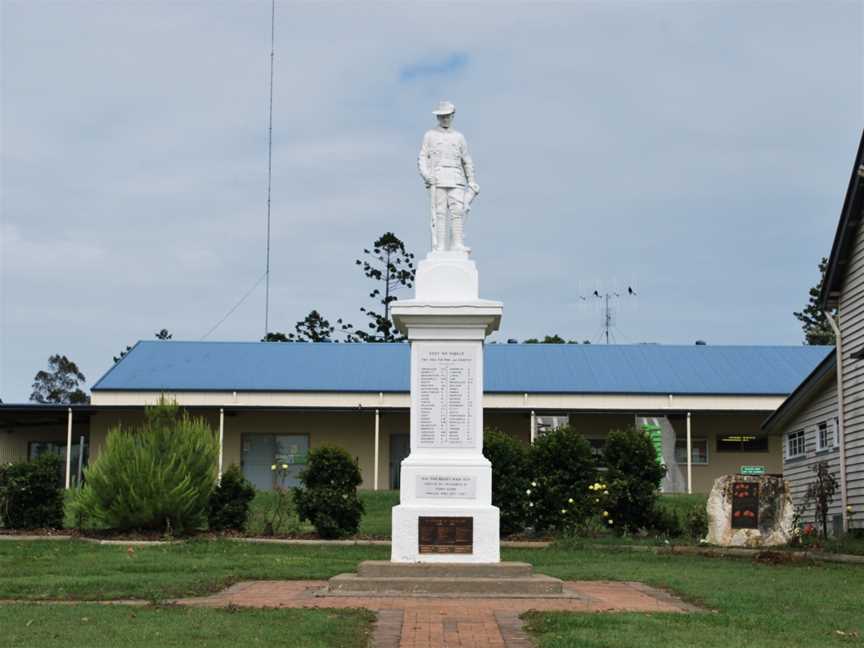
<point>509,368</point>
<point>847,229</point>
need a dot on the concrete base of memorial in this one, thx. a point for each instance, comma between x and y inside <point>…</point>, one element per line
<point>445,512</point>
<point>494,580</point>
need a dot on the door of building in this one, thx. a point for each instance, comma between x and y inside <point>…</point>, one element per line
<point>262,451</point>
<point>400,446</point>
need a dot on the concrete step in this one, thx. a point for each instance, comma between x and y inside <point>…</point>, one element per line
<point>387,569</point>
<point>537,585</point>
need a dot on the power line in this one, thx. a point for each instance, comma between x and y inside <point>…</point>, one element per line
<point>269,166</point>
<point>235,307</point>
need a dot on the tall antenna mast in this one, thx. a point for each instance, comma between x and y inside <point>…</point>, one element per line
<point>269,168</point>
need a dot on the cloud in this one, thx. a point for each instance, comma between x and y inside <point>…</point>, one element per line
<point>448,66</point>
<point>699,150</point>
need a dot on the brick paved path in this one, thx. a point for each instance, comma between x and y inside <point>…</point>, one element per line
<point>449,622</point>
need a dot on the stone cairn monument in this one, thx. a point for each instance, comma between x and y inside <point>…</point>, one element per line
<point>445,535</point>
<point>750,511</point>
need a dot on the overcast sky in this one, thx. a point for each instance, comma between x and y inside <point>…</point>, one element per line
<point>698,152</point>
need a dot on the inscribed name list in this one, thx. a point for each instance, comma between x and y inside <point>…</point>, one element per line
<point>446,409</point>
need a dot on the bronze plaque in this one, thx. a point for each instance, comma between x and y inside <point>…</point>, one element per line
<point>745,505</point>
<point>444,535</point>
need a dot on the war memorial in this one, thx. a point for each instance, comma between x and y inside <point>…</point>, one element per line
<point>445,532</point>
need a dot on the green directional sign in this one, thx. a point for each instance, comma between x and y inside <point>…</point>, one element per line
<point>752,470</point>
<point>655,433</point>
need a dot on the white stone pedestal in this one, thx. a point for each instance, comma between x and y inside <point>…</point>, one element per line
<point>446,474</point>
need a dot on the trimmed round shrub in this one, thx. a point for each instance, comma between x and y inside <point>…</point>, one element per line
<point>228,507</point>
<point>510,478</point>
<point>31,494</point>
<point>561,496</point>
<point>157,476</point>
<point>633,476</point>
<point>328,497</point>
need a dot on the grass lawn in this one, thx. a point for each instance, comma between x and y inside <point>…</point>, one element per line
<point>81,570</point>
<point>754,605</point>
<point>91,626</point>
<point>757,606</point>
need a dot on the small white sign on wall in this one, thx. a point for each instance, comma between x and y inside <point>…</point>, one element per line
<point>446,486</point>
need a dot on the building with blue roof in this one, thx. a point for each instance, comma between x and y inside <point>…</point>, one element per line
<point>274,401</point>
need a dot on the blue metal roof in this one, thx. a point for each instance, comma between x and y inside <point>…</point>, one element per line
<point>515,368</point>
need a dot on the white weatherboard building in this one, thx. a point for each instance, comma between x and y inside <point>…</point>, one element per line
<point>270,400</point>
<point>822,419</point>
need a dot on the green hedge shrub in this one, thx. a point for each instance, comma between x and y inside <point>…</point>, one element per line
<point>510,478</point>
<point>228,507</point>
<point>633,477</point>
<point>696,522</point>
<point>563,473</point>
<point>31,494</point>
<point>155,476</point>
<point>328,498</point>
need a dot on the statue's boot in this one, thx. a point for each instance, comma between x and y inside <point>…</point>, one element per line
<point>456,227</point>
<point>440,238</point>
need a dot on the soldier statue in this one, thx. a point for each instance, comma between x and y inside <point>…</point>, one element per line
<point>448,172</point>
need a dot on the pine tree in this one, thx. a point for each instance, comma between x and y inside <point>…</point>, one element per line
<point>816,328</point>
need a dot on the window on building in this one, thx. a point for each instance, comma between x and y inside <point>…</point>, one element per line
<point>39,448</point>
<point>826,435</point>
<point>548,422</point>
<point>795,444</point>
<point>698,451</point>
<point>742,443</point>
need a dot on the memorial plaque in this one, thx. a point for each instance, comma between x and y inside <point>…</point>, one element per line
<point>446,486</point>
<point>745,505</point>
<point>446,535</point>
<point>445,379</point>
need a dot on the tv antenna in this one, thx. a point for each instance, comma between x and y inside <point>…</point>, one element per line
<point>606,299</point>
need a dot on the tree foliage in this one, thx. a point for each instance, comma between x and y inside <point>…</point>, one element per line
<point>816,328</point>
<point>156,476</point>
<point>312,328</point>
<point>511,476</point>
<point>391,267</point>
<point>60,384</point>
<point>161,334</point>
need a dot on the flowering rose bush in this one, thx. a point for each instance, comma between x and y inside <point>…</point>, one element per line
<point>562,495</point>
<point>634,475</point>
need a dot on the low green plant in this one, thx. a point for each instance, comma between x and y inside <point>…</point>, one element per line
<point>157,476</point>
<point>228,507</point>
<point>328,496</point>
<point>633,475</point>
<point>696,522</point>
<point>510,478</point>
<point>665,522</point>
<point>31,494</point>
<point>280,507</point>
